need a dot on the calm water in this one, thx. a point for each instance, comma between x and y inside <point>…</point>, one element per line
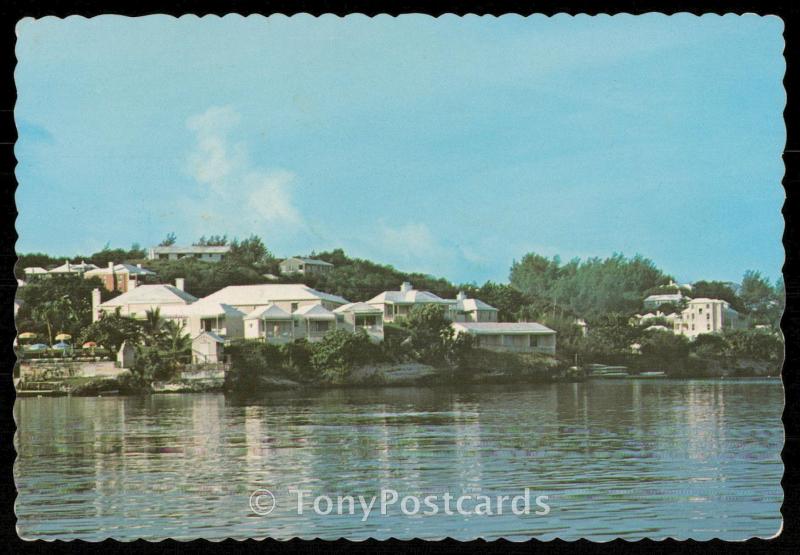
<point>698,459</point>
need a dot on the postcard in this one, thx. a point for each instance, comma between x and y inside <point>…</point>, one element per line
<point>399,277</point>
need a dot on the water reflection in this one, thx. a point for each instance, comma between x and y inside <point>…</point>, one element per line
<point>694,459</point>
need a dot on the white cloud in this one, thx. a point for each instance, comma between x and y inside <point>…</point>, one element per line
<point>226,177</point>
<point>412,242</point>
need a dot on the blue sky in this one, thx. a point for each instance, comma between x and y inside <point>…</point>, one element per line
<point>450,146</point>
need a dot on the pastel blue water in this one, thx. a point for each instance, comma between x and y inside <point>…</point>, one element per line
<point>686,459</point>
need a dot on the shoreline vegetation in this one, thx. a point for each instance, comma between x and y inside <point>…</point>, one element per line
<point>594,306</point>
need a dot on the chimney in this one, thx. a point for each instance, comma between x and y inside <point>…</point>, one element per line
<point>405,287</point>
<point>111,265</point>
<point>139,265</point>
<point>461,296</point>
<point>179,283</point>
<point>95,304</point>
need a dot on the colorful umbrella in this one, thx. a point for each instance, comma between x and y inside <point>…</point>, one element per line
<point>63,336</point>
<point>27,335</point>
<point>89,344</point>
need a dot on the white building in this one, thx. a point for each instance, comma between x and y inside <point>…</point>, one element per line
<point>33,272</point>
<point>289,297</point>
<point>706,316</point>
<point>169,299</point>
<point>219,319</point>
<point>464,309</point>
<point>201,252</point>
<point>304,266</point>
<point>655,301</point>
<point>396,304</point>
<point>361,316</point>
<point>68,268</point>
<point>518,337</point>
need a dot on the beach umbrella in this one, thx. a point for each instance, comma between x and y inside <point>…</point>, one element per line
<point>61,346</point>
<point>37,347</point>
<point>27,335</point>
<point>89,344</point>
<point>63,337</point>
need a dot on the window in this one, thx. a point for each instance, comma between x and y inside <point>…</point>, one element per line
<point>708,326</point>
<point>294,307</point>
<point>700,311</point>
<point>708,306</point>
<point>692,327</point>
<point>708,316</point>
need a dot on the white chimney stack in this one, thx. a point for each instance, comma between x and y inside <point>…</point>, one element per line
<point>179,283</point>
<point>139,265</point>
<point>405,287</point>
<point>111,265</point>
<point>461,296</point>
<point>95,304</point>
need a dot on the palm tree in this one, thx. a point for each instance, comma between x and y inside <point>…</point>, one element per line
<point>153,326</point>
<point>174,340</point>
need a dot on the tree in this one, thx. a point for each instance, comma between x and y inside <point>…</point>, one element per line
<point>590,288</point>
<point>717,290</point>
<point>111,330</point>
<point>169,240</point>
<point>57,304</point>
<point>664,350</point>
<point>153,326</point>
<point>212,241</point>
<point>430,333</point>
<point>760,299</point>
<point>250,252</point>
<point>340,351</point>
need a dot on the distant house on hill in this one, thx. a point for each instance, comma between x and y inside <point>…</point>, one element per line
<point>206,253</point>
<point>655,301</point>
<point>69,268</point>
<point>35,272</point>
<point>304,266</point>
<point>120,277</point>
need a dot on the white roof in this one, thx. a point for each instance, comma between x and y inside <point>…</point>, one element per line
<point>122,268</point>
<point>706,300</point>
<point>358,308</point>
<point>35,270</point>
<point>210,334</point>
<point>242,295</point>
<point>312,261</point>
<point>412,296</point>
<point>468,305</point>
<point>505,328</point>
<point>269,312</point>
<point>667,297</point>
<point>315,312</point>
<point>68,268</point>
<point>206,308</point>
<point>192,249</point>
<point>152,295</point>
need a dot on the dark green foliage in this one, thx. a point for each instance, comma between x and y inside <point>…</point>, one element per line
<point>716,290</point>
<point>168,241</point>
<point>111,330</point>
<point>340,351</point>
<point>354,278</point>
<point>591,288</point>
<point>57,304</point>
<point>664,351</point>
<point>754,344</point>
